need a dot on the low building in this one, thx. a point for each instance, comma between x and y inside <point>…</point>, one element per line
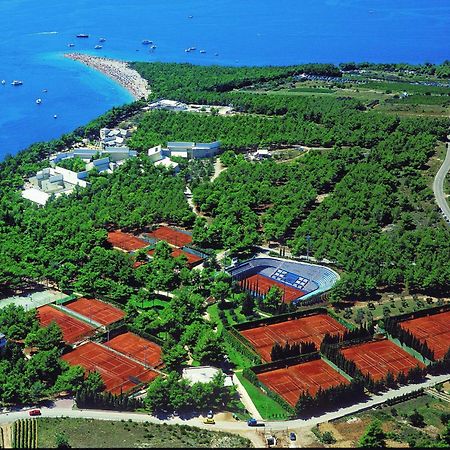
<point>168,105</point>
<point>193,150</point>
<point>160,157</point>
<point>113,136</point>
<point>87,154</point>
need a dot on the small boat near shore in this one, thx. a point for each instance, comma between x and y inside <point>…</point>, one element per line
<point>17,83</point>
<point>38,101</point>
<point>70,45</point>
<point>98,47</point>
<point>82,35</point>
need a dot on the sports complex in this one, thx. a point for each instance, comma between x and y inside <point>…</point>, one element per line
<point>179,240</point>
<point>297,280</point>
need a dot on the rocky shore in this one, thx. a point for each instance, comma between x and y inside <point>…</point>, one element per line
<point>118,71</point>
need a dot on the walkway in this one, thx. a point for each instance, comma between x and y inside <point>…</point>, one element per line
<point>246,399</point>
<point>222,425</point>
<point>438,186</point>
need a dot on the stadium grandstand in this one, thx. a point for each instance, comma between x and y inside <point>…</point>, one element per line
<point>299,279</point>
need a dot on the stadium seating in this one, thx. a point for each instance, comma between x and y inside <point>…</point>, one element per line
<point>303,276</point>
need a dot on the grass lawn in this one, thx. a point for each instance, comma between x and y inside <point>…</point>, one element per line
<point>268,408</point>
<point>395,422</point>
<point>90,433</point>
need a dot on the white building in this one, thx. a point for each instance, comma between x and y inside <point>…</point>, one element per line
<point>113,136</point>
<point>159,159</point>
<point>193,150</point>
<point>168,105</point>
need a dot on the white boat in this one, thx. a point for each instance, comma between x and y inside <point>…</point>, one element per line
<point>3,82</point>
<point>98,47</point>
<point>102,40</point>
<point>153,47</point>
<point>55,116</point>
<point>38,101</point>
<point>70,45</point>
<point>17,83</point>
<point>147,42</point>
<point>202,51</point>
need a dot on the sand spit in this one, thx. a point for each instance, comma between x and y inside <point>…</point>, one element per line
<point>118,71</point>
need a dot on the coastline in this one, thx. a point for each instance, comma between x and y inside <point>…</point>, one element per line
<point>119,71</point>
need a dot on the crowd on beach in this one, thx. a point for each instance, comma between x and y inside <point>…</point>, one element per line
<point>118,71</point>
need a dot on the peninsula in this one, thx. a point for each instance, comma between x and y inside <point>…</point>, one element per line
<point>118,71</point>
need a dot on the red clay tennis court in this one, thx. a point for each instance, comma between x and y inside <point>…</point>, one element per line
<point>377,358</point>
<point>137,347</point>
<point>434,330</point>
<point>290,382</point>
<point>262,284</point>
<point>192,259</point>
<point>310,328</point>
<point>119,373</point>
<point>91,308</point>
<point>172,236</point>
<point>126,241</point>
<point>73,330</point>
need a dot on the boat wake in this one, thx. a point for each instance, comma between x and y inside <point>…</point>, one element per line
<point>47,32</point>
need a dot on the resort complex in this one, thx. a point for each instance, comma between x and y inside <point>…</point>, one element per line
<point>251,250</point>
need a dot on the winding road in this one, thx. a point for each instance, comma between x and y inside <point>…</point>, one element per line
<point>438,186</point>
<point>298,425</point>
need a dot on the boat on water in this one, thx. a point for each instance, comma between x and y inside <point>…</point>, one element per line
<point>71,45</point>
<point>44,90</point>
<point>189,49</point>
<point>190,17</point>
<point>17,83</point>
<point>153,47</point>
<point>146,42</point>
<point>98,47</point>
<point>55,116</point>
<point>102,40</point>
<point>38,101</point>
<point>202,51</point>
<point>3,82</point>
<point>82,35</point>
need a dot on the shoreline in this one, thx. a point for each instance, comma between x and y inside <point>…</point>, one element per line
<point>116,70</point>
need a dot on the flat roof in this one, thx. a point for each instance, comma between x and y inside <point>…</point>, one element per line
<point>36,196</point>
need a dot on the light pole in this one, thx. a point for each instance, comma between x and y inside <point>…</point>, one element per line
<point>308,239</point>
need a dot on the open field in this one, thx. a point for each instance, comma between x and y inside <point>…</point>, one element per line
<point>172,236</point>
<point>119,373</point>
<point>348,430</point>
<point>304,329</point>
<point>262,284</point>
<point>433,329</point>
<point>138,348</point>
<point>73,330</point>
<point>126,241</point>
<point>389,304</point>
<point>377,358</point>
<point>309,376</point>
<point>90,433</point>
<point>97,310</point>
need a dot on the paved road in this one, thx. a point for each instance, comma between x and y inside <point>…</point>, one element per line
<point>232,426</point>
<point>438,186</point>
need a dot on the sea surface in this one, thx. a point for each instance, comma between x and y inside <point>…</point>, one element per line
<point>35,35</point>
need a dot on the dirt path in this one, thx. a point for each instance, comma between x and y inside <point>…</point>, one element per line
<point>218,169</point>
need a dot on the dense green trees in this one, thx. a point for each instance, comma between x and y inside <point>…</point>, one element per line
<point>374,436</point>
<point>177,394</point>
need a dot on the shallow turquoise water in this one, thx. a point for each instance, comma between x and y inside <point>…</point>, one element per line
<point>276,32</point>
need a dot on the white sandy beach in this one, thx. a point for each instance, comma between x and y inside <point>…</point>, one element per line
<point>118,71</point>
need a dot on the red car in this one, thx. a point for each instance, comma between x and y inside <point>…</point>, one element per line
<point>35,412</point>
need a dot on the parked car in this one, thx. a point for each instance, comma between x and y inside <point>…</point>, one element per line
<point>35,412</point>
<point>292,436</point>
<point>209,420</point>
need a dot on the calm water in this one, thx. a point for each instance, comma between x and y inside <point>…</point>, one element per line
<point>35,36</point>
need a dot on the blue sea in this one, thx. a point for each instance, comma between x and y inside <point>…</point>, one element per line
<point>35,35</point>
